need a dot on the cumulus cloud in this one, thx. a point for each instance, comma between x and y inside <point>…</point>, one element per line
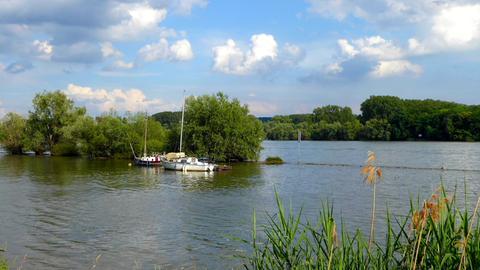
<point>374,56</point>
<point>75,28</point>
<point>458,26</point>
<point>141,19</point>
<point>395,67</point>
<point>18,67</point>
<point>449,24</point>
<point>132,100</point>
<point>43,49</point>
<point>262,55</point>
<point>181,50</point>
<point>109,51</point>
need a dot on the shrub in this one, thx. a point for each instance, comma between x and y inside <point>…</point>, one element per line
<point>274,160</point>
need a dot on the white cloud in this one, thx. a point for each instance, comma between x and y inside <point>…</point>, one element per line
<point>346,48</point>
<point>179,51</point>
<point>375,56</point>
<point>458,26</point>
<point>120,64</point>
<point>395,67</point>
<point>43,49</point>
<point>117,99</point>
<point>229,58</point>
<point>109,51</point>
<point>374,47</point>
<point>262,55</point>
<point>141,19</point>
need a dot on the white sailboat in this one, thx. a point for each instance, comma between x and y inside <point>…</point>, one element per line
<point>147,160</point>
<point>180,162</point>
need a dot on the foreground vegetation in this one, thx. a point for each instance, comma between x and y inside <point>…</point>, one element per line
<point>215,127</point>
<point>436,234</point>
<point>382,118</point>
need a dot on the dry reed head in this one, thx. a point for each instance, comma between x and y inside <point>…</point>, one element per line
<point>370,171</point>
<point>431,208</point>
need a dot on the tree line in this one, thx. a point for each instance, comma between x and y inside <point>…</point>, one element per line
<point>382,118</point>
<point>215,127</point>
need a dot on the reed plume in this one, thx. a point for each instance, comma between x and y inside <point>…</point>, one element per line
<point>371,174</point>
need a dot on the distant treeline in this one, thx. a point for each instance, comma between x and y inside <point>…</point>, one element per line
<point>215,127</point>
<point>382,118</point>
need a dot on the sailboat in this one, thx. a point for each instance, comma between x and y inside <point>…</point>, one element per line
<point>180,162</point>
<point>147,160</point>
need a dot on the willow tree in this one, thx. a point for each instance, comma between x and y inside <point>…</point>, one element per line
<point>221,129</point>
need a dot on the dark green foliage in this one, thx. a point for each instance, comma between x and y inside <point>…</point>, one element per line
<point>274,160</point>
<point>168,119</point>
<point>52,111</point>
<point>326,123</point>
<point>382,118</point>
<point>12,132</point>
<point>56,125</point>
<point>221,129</point>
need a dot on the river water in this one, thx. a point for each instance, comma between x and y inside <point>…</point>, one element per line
<point>63,213</point>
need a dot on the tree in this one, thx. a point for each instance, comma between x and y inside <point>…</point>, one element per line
<point>12,130</point>
<point>333,113</point>
<point>51,112</point>
<point>221,129</point>
<point>168,119</point>
<point>376,129</point>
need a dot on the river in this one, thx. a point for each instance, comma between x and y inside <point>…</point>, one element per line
<point>63,213</point>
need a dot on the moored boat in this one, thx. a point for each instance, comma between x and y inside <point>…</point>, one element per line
<point>186,164</point>
<point>179,162</point>
<point>147,160</point>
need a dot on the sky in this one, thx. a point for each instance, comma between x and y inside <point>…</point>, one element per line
<point>278,57</point>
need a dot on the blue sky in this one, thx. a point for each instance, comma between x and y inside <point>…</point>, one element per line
<point>279,57</point>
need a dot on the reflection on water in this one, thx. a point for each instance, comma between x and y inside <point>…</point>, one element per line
<point>63,212</point>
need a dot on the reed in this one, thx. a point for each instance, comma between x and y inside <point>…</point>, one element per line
<point>436,234</point>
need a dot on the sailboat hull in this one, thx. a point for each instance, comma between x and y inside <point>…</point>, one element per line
<point>179,166</point>
<point>147,163</point>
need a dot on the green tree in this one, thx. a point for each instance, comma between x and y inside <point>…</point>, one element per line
<point>12,132</point>
<point>168,119</point>
<point>333,113</point>
<point>376,129</point>
<point>221,129</point>
<point>52,111</point>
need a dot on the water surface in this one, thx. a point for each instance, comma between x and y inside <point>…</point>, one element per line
<point>61,213</point>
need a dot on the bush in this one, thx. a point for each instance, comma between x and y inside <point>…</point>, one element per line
<point>274,160</point>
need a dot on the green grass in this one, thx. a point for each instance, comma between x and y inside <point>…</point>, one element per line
<point>273,160</point>
<point>434,235</point>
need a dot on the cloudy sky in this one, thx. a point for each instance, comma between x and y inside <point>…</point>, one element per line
<point>277,56</point>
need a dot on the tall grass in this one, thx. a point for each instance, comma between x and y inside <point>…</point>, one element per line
<point>436,234</point>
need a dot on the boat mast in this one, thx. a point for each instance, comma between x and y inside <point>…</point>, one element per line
<point>145,142</point>
<point>181,127</point>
